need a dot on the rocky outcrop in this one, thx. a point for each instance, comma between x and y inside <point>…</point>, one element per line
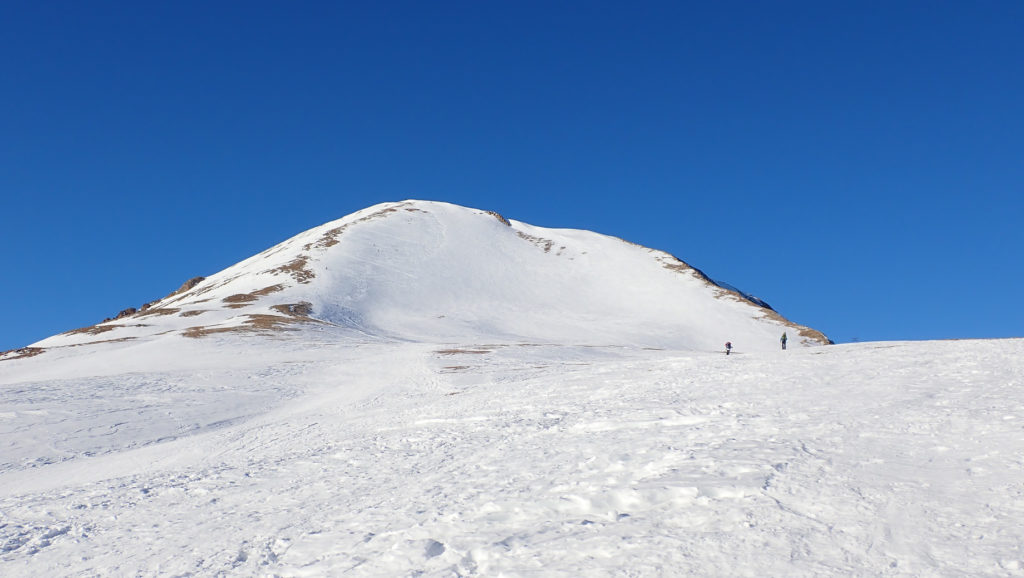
<point>188,285</point>
<point>500,217</point>
<point>20,353</point>
<point>301,309</point>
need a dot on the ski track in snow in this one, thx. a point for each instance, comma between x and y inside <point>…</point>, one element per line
<point>402,459</point>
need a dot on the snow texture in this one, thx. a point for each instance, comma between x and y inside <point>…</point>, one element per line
<point>417,429</point>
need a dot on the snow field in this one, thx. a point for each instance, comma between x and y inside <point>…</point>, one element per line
<point>369,459</point>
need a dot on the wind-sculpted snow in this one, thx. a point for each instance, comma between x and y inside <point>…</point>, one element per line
<point>316,454</point>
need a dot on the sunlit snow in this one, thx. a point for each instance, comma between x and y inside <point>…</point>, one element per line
<point>411,426</point>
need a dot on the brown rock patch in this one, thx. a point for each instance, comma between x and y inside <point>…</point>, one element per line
<point>250,297</point>
<point>157,311</point>
<point>21,353</point>
<point>500,217</point>
<point>185,287</point>
<point>91,330</point>
<point>188,285</point>
<point>254,323</point>
<point>301,309</point>
<point>330,238</point>
<point>675,264</point>
<point>801,330</point>
<point>545,244</point>
<point>297,268</point>
<point>116,340</point>
<point>291,314</point>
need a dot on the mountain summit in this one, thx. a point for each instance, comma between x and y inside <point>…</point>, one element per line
<point>421,389</point>
<point>437,272</point>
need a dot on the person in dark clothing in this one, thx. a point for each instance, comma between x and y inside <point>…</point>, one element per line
<point>728,347</point>
<point>783,340</point>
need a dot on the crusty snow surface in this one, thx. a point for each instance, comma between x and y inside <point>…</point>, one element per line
<point>313,454</point>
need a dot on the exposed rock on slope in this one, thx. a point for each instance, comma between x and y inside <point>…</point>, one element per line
<point>436,272</point>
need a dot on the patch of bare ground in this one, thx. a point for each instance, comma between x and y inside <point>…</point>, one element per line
<point>454,368</point>
<point>301,309</point>
<point>676,264</point>
<point>545,244</point>
<point>187,286</point>
<point>197,332</point>
<point>117,340</point>
<point>330,238</point>
<point>679,266</point>
<point>291,314</point>
<point>157,311</point>
<point>21,353</point>
<point>125,313</point>
<point>203,290</point>
<point>254,324</point>
<point>268,290</point>
<point>147,308</point>
<point>462,351</point>
<point>181,293</point>
<point>264,321</point>
<point>92,330</point>
<point>242,299</point>
<point>801,330</point>
<point>100,328</point>
<point>193,313</point>
<point>631,243</point>
<point>297,268</point>
<point>500,217</point>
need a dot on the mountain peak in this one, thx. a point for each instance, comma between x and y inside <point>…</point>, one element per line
<point>437,272</point>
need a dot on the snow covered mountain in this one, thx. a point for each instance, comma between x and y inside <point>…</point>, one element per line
<point>421,389</point>
<point>430,271</point>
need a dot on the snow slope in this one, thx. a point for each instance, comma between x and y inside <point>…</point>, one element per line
<point>422,389</point>
<point>295,456</point>
<point>430,271</point>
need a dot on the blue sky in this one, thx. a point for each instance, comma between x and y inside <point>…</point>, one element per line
<point>858,165</point>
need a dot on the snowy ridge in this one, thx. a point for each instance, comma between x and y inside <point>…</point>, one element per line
<point>429,271</point>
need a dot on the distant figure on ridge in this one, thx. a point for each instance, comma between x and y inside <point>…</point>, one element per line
<point>783,340</point>
<point>728,347</point>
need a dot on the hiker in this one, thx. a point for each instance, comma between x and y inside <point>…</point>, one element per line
<point>783,340</point>
<point>728,347</point>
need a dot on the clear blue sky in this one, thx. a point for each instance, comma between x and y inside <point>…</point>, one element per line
<point>859,165</point>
